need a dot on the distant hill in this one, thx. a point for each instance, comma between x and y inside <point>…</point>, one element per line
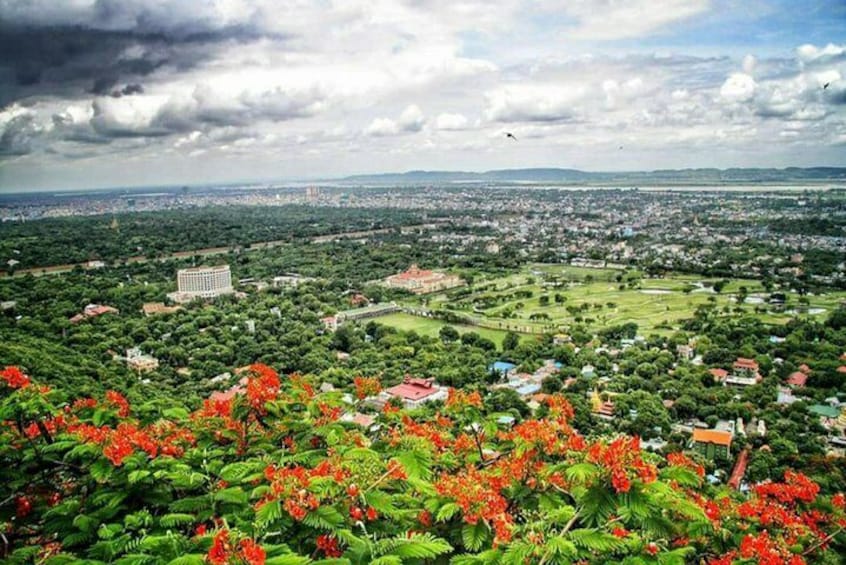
<point>574,176</point>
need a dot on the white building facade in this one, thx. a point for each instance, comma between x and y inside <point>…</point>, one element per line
<point>202,282</point>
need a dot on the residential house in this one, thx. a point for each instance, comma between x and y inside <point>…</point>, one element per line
<point>92,311</point>
<point>712,443</point>
<point>414,392</point>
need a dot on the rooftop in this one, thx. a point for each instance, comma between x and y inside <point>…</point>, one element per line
<point>413,389</point>
<point>712,436</point>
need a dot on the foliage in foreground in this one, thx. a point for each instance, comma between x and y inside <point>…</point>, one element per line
<point>272,475</point>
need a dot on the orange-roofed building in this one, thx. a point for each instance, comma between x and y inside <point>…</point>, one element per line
<point>805,369</point>
<point>712,443</point>
<point>421,281</point>
<point>797,379</point>
<point>841,369</point>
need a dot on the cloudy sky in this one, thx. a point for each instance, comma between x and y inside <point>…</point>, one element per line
<point>137,92</point>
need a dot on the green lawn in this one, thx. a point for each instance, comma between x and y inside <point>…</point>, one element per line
<point>429,327</point>
<point>655,304</point>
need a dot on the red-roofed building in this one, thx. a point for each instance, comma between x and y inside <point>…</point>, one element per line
<point>92,311</point>
<point>415,392</point>
<point>420,281</point>
<point>744,364</point>
<point>330,323</point>
<point>744,373</point>
<point>805,369</point>
<point>841,369</point>
<point>719,374</point>
<point>366,421</point>
<point>739,469</point>
<point>233,391</point>
<point>797,379</point>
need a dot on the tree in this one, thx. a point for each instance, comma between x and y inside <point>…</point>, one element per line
<point>448,334</point>
<point>510,341</point>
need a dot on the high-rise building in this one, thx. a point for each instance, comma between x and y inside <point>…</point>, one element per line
<point>202,282</point>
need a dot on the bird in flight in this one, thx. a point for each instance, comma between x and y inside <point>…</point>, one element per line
<point>511,135</point>
<point>826,85</point>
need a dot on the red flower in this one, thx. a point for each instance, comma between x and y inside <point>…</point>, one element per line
<point>117,400</point>
<point>14,377</point>
<point>23,507</point>
<point>262,387</point>
<point>220,549</point>
<point>366,386</point>
<point>459,398</point>
<point>353,490</point>
<point>328,545</point>
<point>371,514</point>
<point>251,552</point>
<point>620,532</point>
<point>839,500</point>
<point>425,518</point>
<point>651,548</point>
<point>118,449</point>
<point>356,513</point>
<point>200,530</point>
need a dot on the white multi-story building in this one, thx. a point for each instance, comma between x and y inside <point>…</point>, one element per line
<point>202,282</point>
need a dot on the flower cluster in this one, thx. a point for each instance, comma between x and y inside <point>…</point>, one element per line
<point>224,551</point>
<point>122,441</point>
<point>262,386</point>
<point>479,495</point>
<point>682,460</point>
<point>117,400</point>
<point>458,399</point>
<point>620,457</point>
<point>366,386</point>
<point>290,484</point>
<point>14,377</point>
<point>328,545</point>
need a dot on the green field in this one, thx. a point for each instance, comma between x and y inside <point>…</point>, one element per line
<point>430,327</point>
<point>655,305</point>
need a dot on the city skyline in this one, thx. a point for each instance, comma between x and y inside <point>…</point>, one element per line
<point>104,93</point>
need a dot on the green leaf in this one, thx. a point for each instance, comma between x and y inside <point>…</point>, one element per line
<point>268,512</point>
<point>289,559</point>
<point>595,540</point>
<point>177,414</point>
<point>324,518</point>
<point>560,545</point>
<point>581,472</point>
<point>232,495</point>
<point>234,472</point>
<point>474,536</point>
<point>417,546</point>
<point>171,520</point>
<point>137,476</point>
<point>190,559</point>
<point>416,464</point>
<point>447,511</point>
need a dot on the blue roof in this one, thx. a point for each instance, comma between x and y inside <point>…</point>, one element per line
<point>502,366</point>
<point>528,389</point>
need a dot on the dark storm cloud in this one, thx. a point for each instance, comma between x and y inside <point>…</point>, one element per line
<point>49,47</point>
<point>66,60</point>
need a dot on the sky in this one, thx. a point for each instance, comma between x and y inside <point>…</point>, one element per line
<point>105,93</point>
